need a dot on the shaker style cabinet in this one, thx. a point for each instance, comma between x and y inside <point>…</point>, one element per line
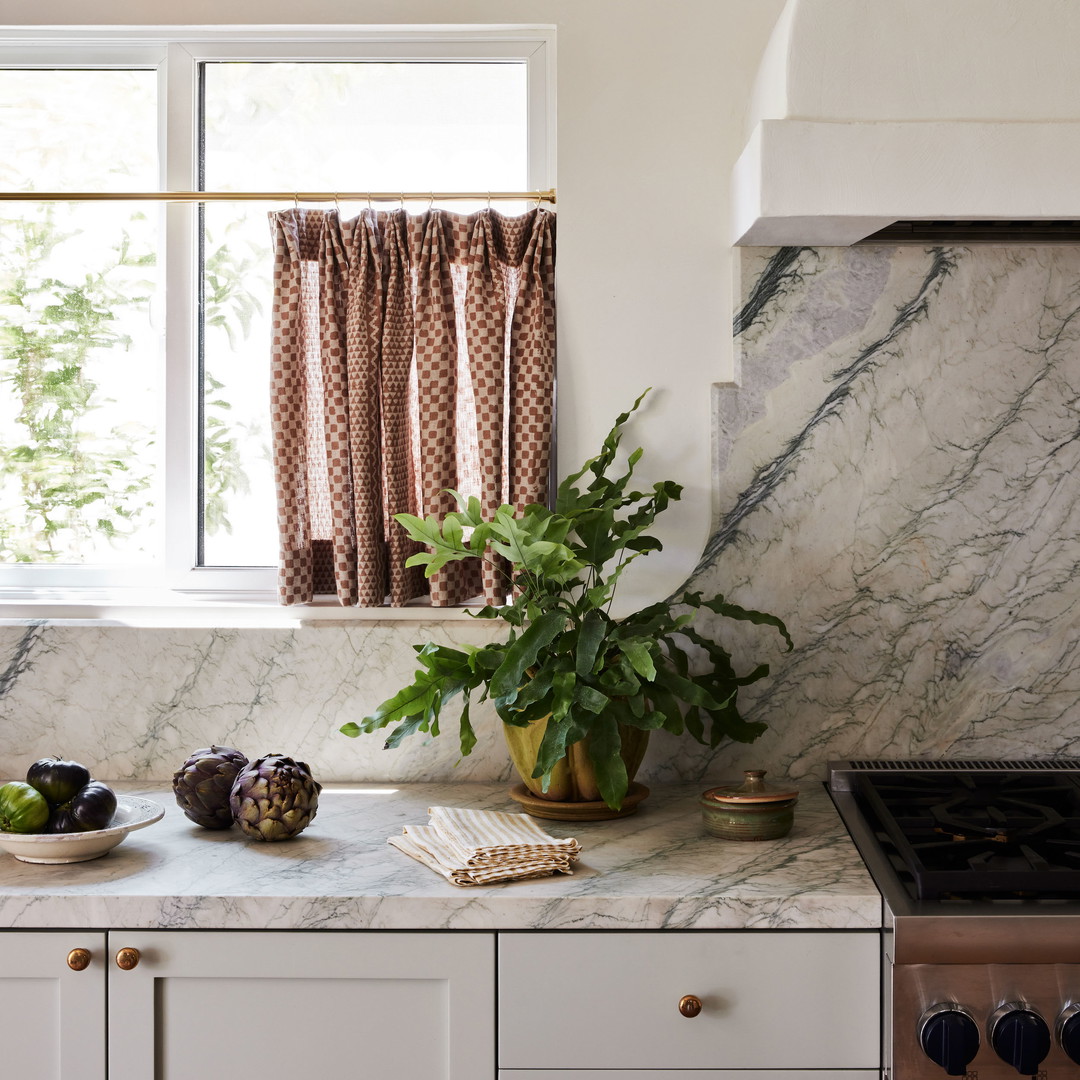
<point>398,1006</point>
<point>52,1005</point>
<point>188,1005</point>
<point>790,1005</point>
<point>197,1005</point>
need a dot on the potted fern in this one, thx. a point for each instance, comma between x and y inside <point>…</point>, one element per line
<point>577,690</point>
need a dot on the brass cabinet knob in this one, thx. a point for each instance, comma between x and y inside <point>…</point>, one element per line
<point>79,959</point>
<point>126,959</point>
<point>690,1005</point>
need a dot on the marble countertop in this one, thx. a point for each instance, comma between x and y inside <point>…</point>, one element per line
<point>656,869</point>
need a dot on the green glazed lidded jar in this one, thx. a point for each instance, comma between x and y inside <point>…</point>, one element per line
<point>753,810</point>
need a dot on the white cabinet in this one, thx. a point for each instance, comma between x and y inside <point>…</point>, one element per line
<point>211,1005</point>
<point>776,1005</point>
<point>802,1004</point>
<point>52,1014</point>
<point>214,1004</point>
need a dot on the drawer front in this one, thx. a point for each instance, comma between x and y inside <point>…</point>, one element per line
<point>770,1000</point>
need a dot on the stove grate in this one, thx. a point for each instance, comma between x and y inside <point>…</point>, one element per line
<point>1060,764</point>
<point>1001,832</point>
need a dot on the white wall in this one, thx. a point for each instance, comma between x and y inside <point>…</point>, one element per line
<point>651,102</point>
<point>1006,60</point>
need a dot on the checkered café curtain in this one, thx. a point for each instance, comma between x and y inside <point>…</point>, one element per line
<point>410,354</point>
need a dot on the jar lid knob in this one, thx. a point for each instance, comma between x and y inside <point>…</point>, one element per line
<point>755,780</point>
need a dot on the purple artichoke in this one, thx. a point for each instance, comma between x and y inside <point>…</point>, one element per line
<point>274,798</point>
<point>203,783</point>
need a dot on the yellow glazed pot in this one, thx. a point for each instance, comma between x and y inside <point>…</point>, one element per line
<point>573,780</point>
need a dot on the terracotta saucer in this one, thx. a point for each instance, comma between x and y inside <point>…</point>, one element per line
<point>577,811</point>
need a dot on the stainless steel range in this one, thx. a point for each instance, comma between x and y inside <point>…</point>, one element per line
<point>978,863</point>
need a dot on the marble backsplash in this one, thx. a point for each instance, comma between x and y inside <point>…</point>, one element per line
<point>897,477</point>
<point>899,472</point>
<point>132,703</point>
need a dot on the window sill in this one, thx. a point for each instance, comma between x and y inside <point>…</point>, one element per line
<point>165,609</point>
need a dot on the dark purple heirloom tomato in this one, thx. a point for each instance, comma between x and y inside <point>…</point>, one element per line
<point>59,781</point>
<point>92,808</point>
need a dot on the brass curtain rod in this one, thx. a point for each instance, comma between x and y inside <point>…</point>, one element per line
<point>276,196</point>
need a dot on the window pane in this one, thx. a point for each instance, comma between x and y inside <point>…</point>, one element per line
<point>80,360</point>
<point>365,126</point>
<point>361,126</point>
<point>239,514</point>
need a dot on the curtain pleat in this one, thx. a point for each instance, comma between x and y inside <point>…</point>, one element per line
<point>339,520</point>
<point>437,391</point>
<point>291,358</point>
<point>398,337</point>
<point>410,355</point>
<point>531,376</point>
<point>364,350</point>
<point>485,328</point>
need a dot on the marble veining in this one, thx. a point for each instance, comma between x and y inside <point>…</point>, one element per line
<point>19,658</point>
<point>904,492</point>
<point>831,406</point>
<point>132,703</point>
<point>654,870</point>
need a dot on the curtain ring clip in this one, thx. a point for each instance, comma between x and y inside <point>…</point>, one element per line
<point>337,205</point>
<point>431,201</point>
<point>401,198</point>
<point>296,200</point>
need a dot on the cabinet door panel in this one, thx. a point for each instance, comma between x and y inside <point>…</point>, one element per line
<point>770,1000</point>
<point>396,1006</point>
<point>319,1025</point>
<point>52,1020</point>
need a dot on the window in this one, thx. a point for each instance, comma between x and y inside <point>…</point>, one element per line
<point>134,342</point>
<point>81,371</point>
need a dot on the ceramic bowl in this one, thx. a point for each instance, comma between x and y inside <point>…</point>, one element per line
<point>132,812</point>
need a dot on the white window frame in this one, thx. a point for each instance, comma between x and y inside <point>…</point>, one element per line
<point>176,53</point>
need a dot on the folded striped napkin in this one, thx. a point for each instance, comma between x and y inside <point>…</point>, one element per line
<point>479,847</point>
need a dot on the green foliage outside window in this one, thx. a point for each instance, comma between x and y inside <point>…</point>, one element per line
<point>76,483</point>
<point>229,305</point>
<point>71,483</point>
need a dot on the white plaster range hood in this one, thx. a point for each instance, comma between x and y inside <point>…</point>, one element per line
<point>868,112</point>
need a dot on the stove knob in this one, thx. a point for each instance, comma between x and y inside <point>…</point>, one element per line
<point>949,1037</point>
<point>1019,1036</point>
<point>1068,1031</point>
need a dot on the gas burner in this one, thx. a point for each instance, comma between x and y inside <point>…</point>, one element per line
<point>988,834</point>
<point>1008,821</point>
